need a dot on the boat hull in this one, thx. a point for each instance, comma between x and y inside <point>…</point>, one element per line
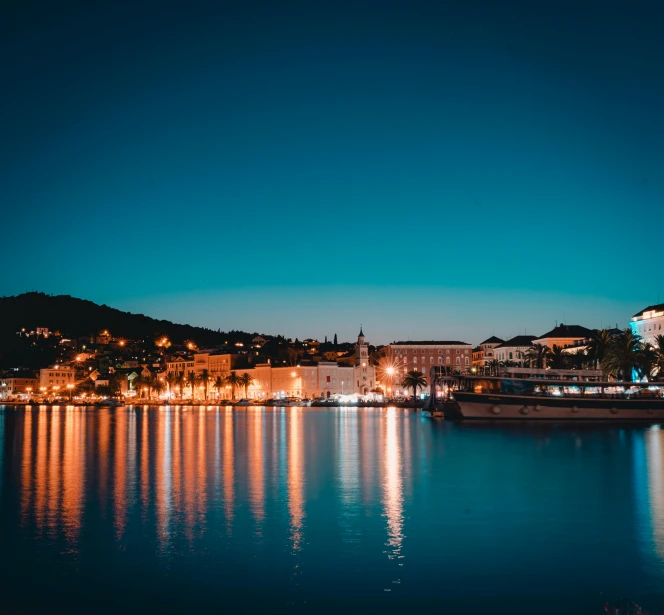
<point>489,406</point>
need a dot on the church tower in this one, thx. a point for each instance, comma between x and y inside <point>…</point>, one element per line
<point>361,351</point>
<point>364,373</point>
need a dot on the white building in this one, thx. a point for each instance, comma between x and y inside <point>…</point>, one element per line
<point>514,349</point>
<point>323,379</point>
<point>56,378</point>
<point>649,323</point>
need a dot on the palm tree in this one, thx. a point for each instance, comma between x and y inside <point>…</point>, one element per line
<point>598,344</point>
<point>658,347</point>
<point>557,358</point>
<point>622,356</point>
<point>205,379</point>
<point>578,359</point>
<point>245,380</point>
<point>492,366</point>
<point>218,385</point>
<point>179,382</point>
<point>155,384</point>
<point>170,382</point>
<point>414,380</point>
<point>647,361</point>
<point>137,384</point>
<point>537,355</point>
<point>234,380</point>
<point>192,383</point>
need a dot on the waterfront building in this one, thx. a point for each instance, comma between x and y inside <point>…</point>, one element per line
<point>215,364</point>
<point>514,349</point>
<point>564,336</point>
<point>648,323</point>
<point>180,365</point>
<point>17,384</point>
<point>404,357</point>
<point>313,379</point>
<point>484,353</point>
<point>56,377</point>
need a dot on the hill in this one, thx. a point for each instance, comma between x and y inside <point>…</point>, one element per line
<point>76,318</point>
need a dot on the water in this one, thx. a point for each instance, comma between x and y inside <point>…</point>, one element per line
<point>324,510</point>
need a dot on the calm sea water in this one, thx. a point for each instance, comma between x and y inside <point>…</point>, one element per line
<point>324,510</point>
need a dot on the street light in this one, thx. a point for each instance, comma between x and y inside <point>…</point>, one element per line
<point>71,390</point>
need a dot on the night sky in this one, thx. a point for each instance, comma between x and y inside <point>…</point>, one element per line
<point>430,170</point>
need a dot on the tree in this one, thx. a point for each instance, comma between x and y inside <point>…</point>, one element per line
<point>218,385</point>
<point>335,340</point>
<point>578,359</point>
<point>192,383</point>
<point>492,366</point>
<point>138,384</point>
<point>234,380</point>
<point>115,384</point>
<point>622,356</point>
<point>658,348</point>
<point>598,345</point>
<point>246,381</point>
<point>171,379</point>
<point>414,380</point>
<point>179,383</point>
<point>156,385</point>
<point>537,354</point>
<point>557,358</point>
<point>204,378</point>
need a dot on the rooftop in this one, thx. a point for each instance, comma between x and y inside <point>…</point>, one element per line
<point>651,308</point>
<point>492,340</point>
<point>430,343</point>
<point>562,331</point>
<point>520,341</point>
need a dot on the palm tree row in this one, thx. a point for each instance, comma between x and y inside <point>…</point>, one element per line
<point>148,387</point>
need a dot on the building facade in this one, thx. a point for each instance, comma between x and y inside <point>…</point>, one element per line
<point>514,349</point>
<point>18,385</point>
<point>56,377</point>
<point>404,357</point>
<point>310,379</point>
<point>563,336</point>
<point>484,353</point>
<point>648,323</point>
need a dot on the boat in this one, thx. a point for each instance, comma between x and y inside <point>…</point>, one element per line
<point>547,394</point>
<point>243,402</point>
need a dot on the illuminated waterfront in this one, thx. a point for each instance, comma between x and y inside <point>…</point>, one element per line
<point>310,510</point>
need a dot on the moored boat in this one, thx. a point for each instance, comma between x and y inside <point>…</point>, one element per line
<point>545,394</point>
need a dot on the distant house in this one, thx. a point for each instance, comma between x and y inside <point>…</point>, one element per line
<point>483,353</point>
<point>564,336</point>
<point>17,384</point>
<point>648,323</point>
<point>514,349</point>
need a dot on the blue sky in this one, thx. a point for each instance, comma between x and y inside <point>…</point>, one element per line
<point>427,169</point>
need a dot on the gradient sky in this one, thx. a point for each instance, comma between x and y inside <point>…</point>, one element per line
<point>430,170</point>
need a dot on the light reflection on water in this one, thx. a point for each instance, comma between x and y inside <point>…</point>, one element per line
<point>347,507</point>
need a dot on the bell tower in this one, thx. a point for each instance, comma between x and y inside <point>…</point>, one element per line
<point>361,351</point>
